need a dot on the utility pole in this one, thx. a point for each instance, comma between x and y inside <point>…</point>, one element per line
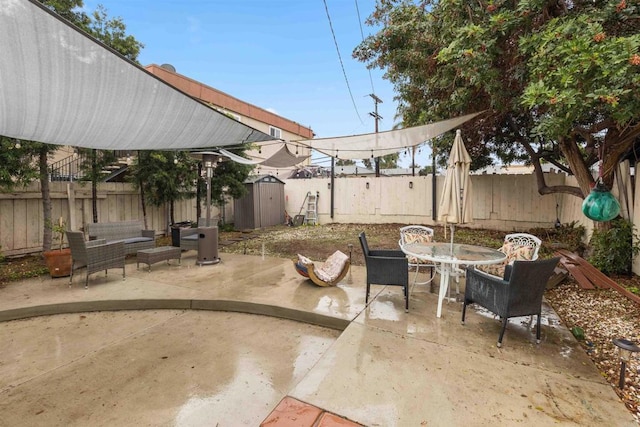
<point>377,117</point>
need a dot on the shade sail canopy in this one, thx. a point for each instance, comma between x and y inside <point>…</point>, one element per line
<point>282,158</point>
<point>383,143</point>
<point>455,204</point>
<point>60,86</point>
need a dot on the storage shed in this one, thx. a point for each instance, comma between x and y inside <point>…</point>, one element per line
<point>262,206</point>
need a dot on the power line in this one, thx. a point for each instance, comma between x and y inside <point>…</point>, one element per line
<point>362,35</point>
<point>341,63</point>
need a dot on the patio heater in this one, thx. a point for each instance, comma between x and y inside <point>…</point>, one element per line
<point>207,233</point>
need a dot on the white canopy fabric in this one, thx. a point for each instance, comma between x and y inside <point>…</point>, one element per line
<point>383,143</point>
<point>455,204</point>
<point>281,159</point>
<point>59,86</point>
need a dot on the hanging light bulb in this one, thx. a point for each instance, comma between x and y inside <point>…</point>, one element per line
<point>600,204</point>
<point>296,149</point>
<point>175,161</point>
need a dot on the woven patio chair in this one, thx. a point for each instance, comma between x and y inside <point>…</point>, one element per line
<point>189,236</point>
<point>519,293</point>
<point>386,267</point>
<point>95,255</point>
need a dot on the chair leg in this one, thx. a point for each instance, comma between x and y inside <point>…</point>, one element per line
<point>504,327</point>
<point>71,275</point>
<point>86,281</point>
<point>406,298</point>
<point>538,330</point>
<point>366,298</point>
<point>464,310</point>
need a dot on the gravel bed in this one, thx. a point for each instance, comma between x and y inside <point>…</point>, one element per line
<point>603,315</point>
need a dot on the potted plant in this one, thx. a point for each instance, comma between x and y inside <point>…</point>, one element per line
<point>58,260</point>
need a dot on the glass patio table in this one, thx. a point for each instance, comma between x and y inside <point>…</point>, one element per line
<point>448,256</point>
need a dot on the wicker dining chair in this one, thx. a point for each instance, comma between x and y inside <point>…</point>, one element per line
<point>386,267</point>
<point>95,255</point>
<point>519,293</point>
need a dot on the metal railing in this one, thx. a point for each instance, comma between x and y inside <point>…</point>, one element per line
<point>70,168</point>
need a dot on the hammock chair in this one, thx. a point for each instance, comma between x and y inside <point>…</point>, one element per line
<point>329,273</point>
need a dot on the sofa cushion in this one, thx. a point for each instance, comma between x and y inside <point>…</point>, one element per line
<point>136,240</point>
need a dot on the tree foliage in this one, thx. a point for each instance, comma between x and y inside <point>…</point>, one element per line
<point>558,81</point>
<point>164,177</point>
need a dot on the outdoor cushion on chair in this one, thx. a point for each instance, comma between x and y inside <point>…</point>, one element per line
<point>417,234</point>
<point>327,274</point>
<point>514,252</point>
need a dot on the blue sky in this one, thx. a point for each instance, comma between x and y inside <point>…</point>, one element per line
<point>279,55</point>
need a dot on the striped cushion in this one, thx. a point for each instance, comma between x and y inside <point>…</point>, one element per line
<point>514,253</point>
<point>416,238</point>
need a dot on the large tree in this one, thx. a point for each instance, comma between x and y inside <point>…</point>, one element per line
<point>34,155</point>
<point>558,80</point>
<point>164,177</point>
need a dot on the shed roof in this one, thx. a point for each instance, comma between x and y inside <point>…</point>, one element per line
<point>252,179</point>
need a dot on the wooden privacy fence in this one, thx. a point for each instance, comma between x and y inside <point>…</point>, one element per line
<point>21,215</point>
<point>502,202</point>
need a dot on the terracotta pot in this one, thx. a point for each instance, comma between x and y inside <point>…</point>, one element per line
<point>58,262</point>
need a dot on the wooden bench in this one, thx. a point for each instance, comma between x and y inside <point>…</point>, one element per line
<point>132,233</point>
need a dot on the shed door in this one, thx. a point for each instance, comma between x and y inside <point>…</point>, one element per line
<point>272,203</point>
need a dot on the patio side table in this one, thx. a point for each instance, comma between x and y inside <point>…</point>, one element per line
<point>161,253</point>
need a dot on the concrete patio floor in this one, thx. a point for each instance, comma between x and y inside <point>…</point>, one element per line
<point>223,344</point>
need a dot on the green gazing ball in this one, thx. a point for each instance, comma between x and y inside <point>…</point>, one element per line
<point>600,205</point>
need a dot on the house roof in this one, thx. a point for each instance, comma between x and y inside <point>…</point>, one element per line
<point>220,99</point>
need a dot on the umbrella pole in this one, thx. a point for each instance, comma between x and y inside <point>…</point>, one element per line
<point>451,232</point>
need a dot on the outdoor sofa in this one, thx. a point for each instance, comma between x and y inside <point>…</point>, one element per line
<point>132,233</point>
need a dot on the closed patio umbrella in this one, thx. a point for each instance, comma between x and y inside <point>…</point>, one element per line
<point>455,203</point>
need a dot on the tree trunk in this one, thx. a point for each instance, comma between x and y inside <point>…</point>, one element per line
<point>576,163</point>
<point>144,206</point>
<point>46,198</point>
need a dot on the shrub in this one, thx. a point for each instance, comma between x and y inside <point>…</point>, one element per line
<point>567,236</point>
<point>614,248</point>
